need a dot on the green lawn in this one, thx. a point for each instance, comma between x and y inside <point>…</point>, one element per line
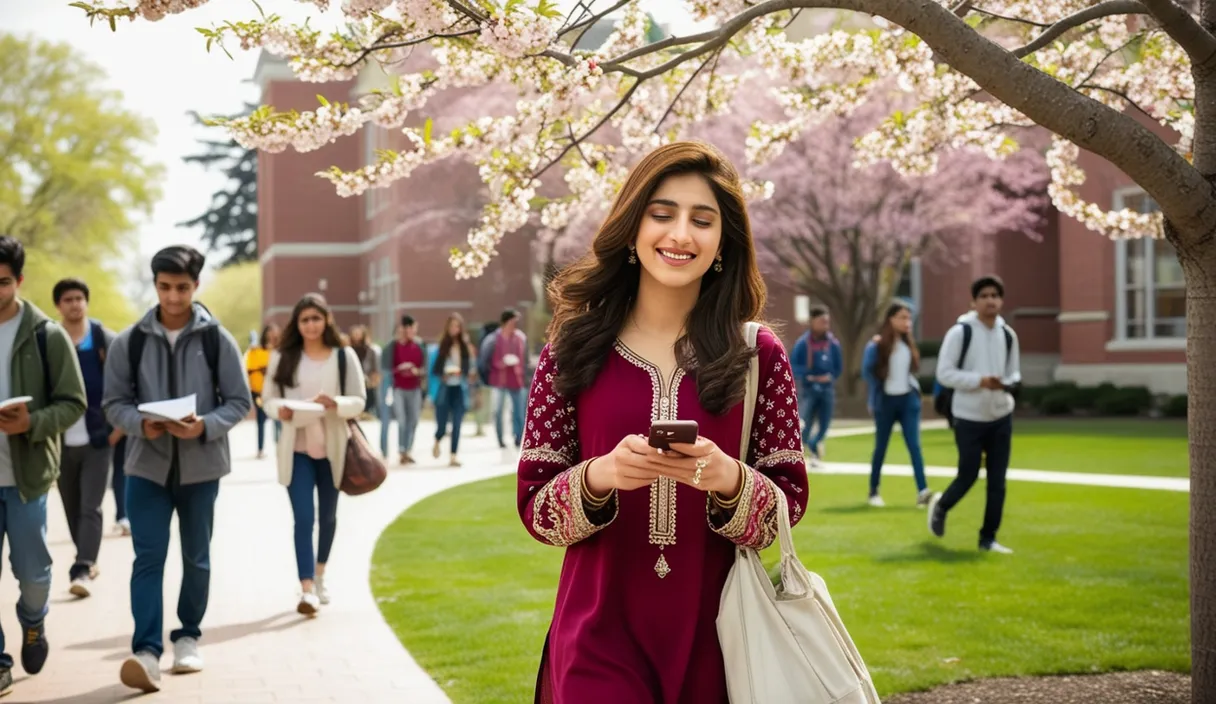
<point>1098,583</point>
<point>1131,446</point>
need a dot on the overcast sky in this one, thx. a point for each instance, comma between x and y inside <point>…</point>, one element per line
<point>163,72</point>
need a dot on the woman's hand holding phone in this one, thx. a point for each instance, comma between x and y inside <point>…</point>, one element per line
<point>626,468</point>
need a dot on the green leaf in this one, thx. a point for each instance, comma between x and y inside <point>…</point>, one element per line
<point>321,99</point>
<point>549,9</point>
<point>260,10</point>
<point>427,129</point>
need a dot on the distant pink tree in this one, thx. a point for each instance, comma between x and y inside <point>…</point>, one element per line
<point>843,235</point>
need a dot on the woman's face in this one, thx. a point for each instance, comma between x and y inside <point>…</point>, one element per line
<point>273,335</point>
<point>681,231</point>
<point>357,337</point>
<point>902,321</point>
<point>311,324</point>
<point>454,328</point>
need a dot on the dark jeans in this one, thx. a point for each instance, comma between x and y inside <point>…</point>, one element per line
<point>906,410</point>
<point>517,399</point>
<point>151,509</point>
<point>82,486</point>
<point>994,441</point>
<point>818,402</point>
<point>260,420</point>
<point>24,524</point>
<point>450,406</point>
<point>307,475</point>
<point>118,479</point>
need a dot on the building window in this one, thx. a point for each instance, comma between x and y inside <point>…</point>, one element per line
<point>1150,299</point>
<point>908,291</point>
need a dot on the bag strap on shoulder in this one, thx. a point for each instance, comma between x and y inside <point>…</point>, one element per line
<point>750,332</point>
<point>341,371</point>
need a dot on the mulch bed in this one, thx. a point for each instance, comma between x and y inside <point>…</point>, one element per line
<point>1146,687</point>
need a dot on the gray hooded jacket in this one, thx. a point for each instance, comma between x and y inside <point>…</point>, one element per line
<point>165,374</point>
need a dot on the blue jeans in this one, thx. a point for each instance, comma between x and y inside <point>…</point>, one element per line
<point>517,399</point>
<point>906,410</point>
<point>450,407</point>
<point>818,404</point>
<point>308,474</point>
<point>407,409</point>
<point>260,419</point>
<point>385,411</point>
<point>150,508</point>
<point>24,524</point>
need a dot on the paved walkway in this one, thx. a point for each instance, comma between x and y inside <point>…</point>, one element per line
<point>257,648</point>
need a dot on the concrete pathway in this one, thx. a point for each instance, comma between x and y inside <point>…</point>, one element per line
<point>257,648</point>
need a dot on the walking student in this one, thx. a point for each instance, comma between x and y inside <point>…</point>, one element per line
<point>408,369</point>
<point>84,466</point>
<point>36,361</point>
<point>889,365</point>
<point>817,363</point>
<point>369,357</point>
<point>502,361</point>
<point>451,365</point>
<point>176,350</point>
<point>980,363</point>
<point>312,365</point>
<point>257,357</point>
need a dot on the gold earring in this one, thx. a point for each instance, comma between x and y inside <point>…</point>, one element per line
<point>633,255</point>
<point>718,264</point>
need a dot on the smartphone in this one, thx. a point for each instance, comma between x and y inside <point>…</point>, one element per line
<point>665,432</point>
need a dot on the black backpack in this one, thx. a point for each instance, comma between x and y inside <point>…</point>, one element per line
<point>211,350</point>
<point>943,396</point>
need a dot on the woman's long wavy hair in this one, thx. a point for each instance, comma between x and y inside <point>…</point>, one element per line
<point>593,297</point>
<point>886,342</point>
<point>264,340</point>
<point>446,342</point>
<point>291,346</point>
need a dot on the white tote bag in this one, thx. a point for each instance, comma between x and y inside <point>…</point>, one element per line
<point>784,644</point>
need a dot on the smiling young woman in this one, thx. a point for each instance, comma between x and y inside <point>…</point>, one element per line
<point>649,326</point>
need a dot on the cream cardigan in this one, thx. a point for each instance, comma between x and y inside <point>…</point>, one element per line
<point>349,406</point>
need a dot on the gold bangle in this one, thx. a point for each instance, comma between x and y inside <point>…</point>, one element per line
<point>590,498</point>
<point>731,503</point>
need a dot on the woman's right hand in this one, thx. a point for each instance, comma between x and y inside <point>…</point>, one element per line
<point>285,414</point>
<point>625,469</point>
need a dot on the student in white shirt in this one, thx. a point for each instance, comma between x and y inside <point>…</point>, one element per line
<point>979,361</point>
<point>889,365</point>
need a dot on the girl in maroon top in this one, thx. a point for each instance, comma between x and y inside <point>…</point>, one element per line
<point>649,326</point>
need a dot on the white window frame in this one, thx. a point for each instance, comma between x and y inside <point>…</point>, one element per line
<point>373,198</point>
<point>1121,342</point>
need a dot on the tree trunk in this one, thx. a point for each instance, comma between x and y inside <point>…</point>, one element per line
<point>852,341</point>
<point>1199,264</point>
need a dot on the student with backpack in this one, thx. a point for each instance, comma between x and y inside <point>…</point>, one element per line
<point>36,361</point>
<point>979,369</point>
<point>84,466</point>
<point>176,350</point>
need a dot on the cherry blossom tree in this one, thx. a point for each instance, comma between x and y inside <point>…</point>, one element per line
<point>1093,72</point>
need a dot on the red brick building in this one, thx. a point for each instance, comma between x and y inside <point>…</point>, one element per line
<point>1086,308</point>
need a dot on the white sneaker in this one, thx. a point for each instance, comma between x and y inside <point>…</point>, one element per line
<point>321,590</point>
<point>877,502</point>
<point>185,656</point>
<point>80,586</point>
<point>309,604</point>
<point>141,671</point>
<point>997,548</point>
<point>123,527</point>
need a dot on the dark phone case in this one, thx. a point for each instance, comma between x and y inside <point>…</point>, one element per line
<point>665,432</point>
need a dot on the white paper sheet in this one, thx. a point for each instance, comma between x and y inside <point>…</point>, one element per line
<point>15,401</point>
<point>303,406</point>
<point>174,410</point>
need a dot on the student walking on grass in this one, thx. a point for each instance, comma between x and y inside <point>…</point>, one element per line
<point>176,350</point>
<point>84,466</point>
<point>36,361</point>
<point>650,326</point>
<point>980,362</point>
<point>311,365</point>
<point>817,364</point>
<point>889,365</point>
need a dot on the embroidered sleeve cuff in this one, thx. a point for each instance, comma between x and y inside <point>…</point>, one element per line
<point>558,514</point>
<point>753,522</point>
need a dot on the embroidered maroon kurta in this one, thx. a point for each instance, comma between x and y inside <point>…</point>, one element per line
<point>638,596</point>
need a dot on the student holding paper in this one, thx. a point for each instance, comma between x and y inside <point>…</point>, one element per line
<point>40,381</point>
<point>304,389</point>
<point>176,350</point>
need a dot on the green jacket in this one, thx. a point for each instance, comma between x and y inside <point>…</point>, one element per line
<point>35,452</point>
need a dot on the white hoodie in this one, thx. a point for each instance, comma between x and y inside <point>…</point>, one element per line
<point>985,357</point>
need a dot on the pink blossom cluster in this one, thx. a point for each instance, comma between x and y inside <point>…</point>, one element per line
<point>517,34</point>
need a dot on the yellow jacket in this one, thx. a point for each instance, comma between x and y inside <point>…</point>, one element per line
<point>257,359</point>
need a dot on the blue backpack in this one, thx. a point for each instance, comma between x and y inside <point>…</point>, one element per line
<point>943,396</point>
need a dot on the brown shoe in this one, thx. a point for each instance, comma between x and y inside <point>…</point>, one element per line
<point>403,458</point>
<point>436,450</point>
<point>453,462</point>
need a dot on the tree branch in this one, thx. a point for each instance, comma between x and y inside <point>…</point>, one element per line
<point>1107,8</point>
<point>1019,20</point>
<point>585,26</point>
<point>1197,42</point>
<point>670,108</point>
<point>603,121</point>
